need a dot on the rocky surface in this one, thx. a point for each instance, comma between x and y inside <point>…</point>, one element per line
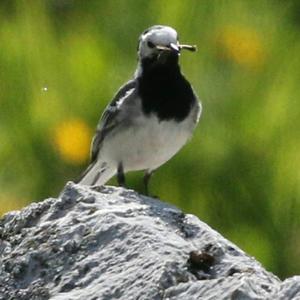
<point>116,244</point>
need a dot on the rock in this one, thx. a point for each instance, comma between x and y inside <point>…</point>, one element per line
<point>116,244</point>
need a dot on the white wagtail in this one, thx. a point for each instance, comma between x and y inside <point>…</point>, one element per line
<point>150,118</point>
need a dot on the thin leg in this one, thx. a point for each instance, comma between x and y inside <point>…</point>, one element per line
<point>120,175</point>
<point>146,180</point>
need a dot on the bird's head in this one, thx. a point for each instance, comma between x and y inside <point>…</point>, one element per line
<point>160,42</point>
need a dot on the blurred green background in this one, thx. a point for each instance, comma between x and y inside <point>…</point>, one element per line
<point>61,61</point>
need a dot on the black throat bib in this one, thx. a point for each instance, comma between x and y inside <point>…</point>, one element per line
<point>164,90</point>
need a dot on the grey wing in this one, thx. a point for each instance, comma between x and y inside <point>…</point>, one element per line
<point>108,120</point>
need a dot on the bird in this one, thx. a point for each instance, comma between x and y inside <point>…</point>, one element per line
<point>150,118</point>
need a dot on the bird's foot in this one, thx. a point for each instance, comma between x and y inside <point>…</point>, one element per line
<point>97,188</point>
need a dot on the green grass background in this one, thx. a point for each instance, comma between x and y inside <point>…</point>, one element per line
<point>63,60</point>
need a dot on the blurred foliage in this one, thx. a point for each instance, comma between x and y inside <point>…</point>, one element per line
<point>61,61</point>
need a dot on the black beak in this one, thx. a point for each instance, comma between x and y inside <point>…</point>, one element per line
<point>171,47</point>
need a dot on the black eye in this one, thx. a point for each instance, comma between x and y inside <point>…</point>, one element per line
<point>150,45</point>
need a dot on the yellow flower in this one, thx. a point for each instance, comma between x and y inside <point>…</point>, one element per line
<point>242,45</point>
<point>72,140</point>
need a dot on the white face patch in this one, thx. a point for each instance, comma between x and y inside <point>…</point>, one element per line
<point>158,36</point>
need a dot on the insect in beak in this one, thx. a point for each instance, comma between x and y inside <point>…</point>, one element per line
<point>177,47</point>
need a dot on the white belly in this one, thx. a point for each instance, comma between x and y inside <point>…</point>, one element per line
<point>148,144</point>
